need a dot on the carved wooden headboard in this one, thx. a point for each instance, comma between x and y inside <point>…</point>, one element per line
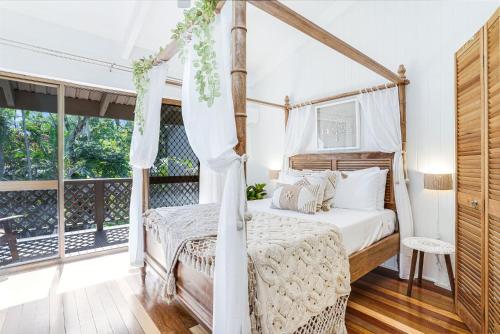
<point>350,161</point>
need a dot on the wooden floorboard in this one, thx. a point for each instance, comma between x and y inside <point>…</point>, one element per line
<point>132,304</point>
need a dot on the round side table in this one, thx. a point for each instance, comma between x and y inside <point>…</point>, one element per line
<point>432,246</point>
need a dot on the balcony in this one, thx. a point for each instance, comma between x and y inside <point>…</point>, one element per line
<point>96,213</point>
<point>96,218</point>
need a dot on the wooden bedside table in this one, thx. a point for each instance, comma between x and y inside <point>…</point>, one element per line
<point>432,246</point>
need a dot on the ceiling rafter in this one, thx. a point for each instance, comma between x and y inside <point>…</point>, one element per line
<point>7,91</point>
<point>105,101</point>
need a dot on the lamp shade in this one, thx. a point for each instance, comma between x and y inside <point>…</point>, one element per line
<point>438,181</point>
<point>274,174</point>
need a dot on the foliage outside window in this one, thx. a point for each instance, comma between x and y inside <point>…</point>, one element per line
<point>28,145</point>
<point>96,147</point>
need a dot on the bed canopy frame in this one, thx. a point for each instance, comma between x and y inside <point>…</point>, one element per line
<point>194,290</point>
<point>299,22</point>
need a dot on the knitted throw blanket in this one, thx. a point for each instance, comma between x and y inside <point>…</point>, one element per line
<point>174,226</point>
<point>298,269</point>
<point>301,269</point>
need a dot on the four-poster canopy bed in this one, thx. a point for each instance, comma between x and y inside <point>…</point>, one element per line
<point>194,289</point>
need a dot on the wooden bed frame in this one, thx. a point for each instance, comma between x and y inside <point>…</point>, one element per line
<point>194,289</point>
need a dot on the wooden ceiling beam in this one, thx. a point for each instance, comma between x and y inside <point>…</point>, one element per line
<point>8,93</point>
<point>299,22</point>
<point>103,106</point>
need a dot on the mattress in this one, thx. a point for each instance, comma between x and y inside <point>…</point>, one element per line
<point>359,228</point>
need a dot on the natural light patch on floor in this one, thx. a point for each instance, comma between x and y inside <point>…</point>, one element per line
<point>37,284</point>
<point>85,273</point>
<point>26,287</point>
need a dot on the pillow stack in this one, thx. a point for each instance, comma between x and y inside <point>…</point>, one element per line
<point>324,180</point>
<point>359,190</point>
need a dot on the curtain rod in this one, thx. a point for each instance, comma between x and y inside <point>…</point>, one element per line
<point>347,94</point>
<point>176,82</point>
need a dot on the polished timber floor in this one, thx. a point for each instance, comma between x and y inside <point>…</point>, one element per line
<point>102,295</point>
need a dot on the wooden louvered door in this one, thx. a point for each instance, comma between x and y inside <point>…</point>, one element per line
<point>492,235</point>
<point>470,182</point>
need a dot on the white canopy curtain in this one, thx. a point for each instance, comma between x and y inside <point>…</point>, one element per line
<point>212,134</point>
<point>382,132</point>
<point>143,151</point>
<point>299,133</point>
<point>211,185</point>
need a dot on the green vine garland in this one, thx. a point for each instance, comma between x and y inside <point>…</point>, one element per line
<point>197,22</point>
<point>140,69</point>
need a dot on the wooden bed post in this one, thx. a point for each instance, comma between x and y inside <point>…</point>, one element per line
<point>402,112</point>
<point>287,109</point>
<point>145,190</point>
<point>239,72</point>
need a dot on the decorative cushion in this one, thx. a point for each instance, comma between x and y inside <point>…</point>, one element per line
<point>314,177</point>
<point>301,198</point>
<point>307,180</point>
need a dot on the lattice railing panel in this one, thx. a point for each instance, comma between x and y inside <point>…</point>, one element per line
<point>174,177</point>
<point>175,156</point>
<point>39,208</point>
<point>173,194</point>
<point>117,202</point>
<point>79,206</point>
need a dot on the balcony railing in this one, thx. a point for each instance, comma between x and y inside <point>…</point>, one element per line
<point>96,214</point>
<point>90,203</point>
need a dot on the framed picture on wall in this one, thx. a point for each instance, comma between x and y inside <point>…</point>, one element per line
<point>338,126</point>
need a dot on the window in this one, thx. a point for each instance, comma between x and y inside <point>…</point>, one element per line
<point>338,126</point>
<point>174,177</point>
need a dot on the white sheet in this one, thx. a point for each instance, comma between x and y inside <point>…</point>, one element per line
<point>359,229</point>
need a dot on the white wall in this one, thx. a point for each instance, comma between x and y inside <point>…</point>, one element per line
<point>419,34</point>
<point>14,26</point>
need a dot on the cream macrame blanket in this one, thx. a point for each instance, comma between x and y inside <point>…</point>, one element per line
<point>174,226</point>
<point>298,269</point>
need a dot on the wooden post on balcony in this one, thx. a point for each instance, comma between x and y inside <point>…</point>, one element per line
<point>99,204</point>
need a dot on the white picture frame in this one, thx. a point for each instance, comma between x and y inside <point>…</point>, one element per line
<point>346,126</point>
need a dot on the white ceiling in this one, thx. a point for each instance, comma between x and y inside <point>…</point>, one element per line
<point>146,25</point>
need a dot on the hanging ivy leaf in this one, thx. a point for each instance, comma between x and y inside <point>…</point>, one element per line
<point>197,22</point>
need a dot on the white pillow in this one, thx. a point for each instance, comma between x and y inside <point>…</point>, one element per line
<point>357,190</point>
<point>381,189</point>
<point>381,186</point>
<point>286,178</point>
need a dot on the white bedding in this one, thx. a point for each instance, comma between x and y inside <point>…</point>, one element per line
<point>359,229</point>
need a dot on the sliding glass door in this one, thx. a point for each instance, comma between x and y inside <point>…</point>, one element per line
<point>29,172</point>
